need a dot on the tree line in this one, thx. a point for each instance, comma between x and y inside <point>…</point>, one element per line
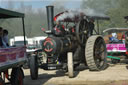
<point>115,9</point>
<point>35,19</point>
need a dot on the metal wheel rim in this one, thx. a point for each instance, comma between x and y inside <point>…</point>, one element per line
<point>81,27</point>
<point>99,53</point>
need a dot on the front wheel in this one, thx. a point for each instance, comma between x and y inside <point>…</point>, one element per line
<point>70,65</point>
<point>34,67</point>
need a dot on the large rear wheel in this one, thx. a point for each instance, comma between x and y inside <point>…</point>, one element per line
<point>95,53</point>
<point>82,31</point>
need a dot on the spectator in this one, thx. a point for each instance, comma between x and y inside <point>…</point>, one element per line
<point>2,43</point>
<point>114,38</point>
<point>126,40</point>
<point>5,36</point>
<point>1,35</point>
<point>123,38</point>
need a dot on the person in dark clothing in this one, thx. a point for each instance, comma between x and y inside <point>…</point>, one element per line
<point>5,36</point>
<point>1,35</point>
<point>126,17</point>
<point>91,26</point>
<point>126,40</point>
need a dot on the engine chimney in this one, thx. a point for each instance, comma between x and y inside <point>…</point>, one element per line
<point>50,15</point>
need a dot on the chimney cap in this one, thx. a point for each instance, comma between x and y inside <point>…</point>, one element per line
<point>50,6</point>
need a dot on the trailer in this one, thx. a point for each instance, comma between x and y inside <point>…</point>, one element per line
<point>12,58</point>
<point>116,46</point>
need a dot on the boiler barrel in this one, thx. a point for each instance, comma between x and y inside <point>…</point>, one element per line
<point>52,45</point>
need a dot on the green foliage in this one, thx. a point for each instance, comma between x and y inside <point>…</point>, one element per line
<point>115,9</point>
<point>35,19</point>
<point>117,14</point>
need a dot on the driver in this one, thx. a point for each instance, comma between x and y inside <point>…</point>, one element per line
<point>91,26</point>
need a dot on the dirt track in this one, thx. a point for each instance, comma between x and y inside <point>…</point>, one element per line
<point>113,75</point>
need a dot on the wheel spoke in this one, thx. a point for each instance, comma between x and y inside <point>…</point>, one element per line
<point>83,38</point>
<point>99,42</point>
<point>80,31</point>
<point>99,53</point>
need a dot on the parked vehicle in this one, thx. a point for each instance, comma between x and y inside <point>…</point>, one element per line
<point>115,43</point>
<point>18,41</point>
<point>116,40</point>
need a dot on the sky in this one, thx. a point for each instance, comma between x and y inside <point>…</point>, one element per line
<point>43,3</point>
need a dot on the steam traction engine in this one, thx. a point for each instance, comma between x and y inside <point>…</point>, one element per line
<point>69,44</point>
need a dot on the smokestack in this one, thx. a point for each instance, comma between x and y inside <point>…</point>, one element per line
<point>50,15</point>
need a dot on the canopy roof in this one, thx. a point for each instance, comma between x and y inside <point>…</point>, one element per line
<point>99,17</point>
<point>115,29</point>
<point>4,13</point>
<point>126,17</point>
<point>74,16</point>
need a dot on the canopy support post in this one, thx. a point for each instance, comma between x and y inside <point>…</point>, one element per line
<point>98,27</point>
<point>23,30</point>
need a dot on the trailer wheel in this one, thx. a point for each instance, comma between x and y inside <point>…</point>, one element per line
<point>70,65</point>
<point>95,53</point>
<point>34,67</point>
<point>2,81</point>
<point>17,76</point>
